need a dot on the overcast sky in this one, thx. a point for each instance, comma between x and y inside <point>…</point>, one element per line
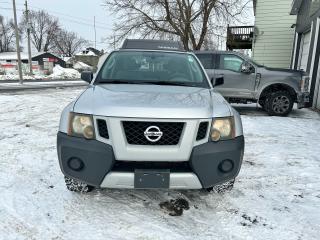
<point>74,15</point>
<point>77,16</point>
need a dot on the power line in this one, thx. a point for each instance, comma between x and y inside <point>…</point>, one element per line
<point>70,18</point>
<point>64,14</point>
<point>83,20</point>
<point>77,22</point>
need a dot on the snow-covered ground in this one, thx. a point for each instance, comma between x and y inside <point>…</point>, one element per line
<point>276,196</point>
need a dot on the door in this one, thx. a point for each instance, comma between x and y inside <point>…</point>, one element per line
<point>207,62</point>
<point>236,83</point>
<point>304,51</point>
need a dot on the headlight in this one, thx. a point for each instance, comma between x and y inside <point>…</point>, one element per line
<point>222,129</point>
<point>81,125</point>
<point>304,85</point>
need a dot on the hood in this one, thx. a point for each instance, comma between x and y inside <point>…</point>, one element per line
<point>284,70</point>
<point>146,101</point>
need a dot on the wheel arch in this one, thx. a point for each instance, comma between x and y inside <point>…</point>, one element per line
<point>277,87</point>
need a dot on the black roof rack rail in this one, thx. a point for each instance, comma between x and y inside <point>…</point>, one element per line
<point>148,44</point>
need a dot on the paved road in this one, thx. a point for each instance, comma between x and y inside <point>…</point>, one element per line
<point>14,86</point>
<point>40,80</point>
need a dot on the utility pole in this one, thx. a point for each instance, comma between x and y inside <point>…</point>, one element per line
<point>28,35</point>
<point>17,41</point>
<point>95,32</point>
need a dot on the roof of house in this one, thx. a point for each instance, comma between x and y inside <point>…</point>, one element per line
<point>96,51</point>
<point>24,55</point>
<point>13,56</point>
<point>86,53</point>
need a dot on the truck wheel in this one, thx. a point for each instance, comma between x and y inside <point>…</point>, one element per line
<point>279,103</point>
<point>222,188</point>
<point>77,186</point>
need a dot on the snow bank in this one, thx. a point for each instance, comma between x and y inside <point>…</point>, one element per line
<point>64,73</point>
<point>58,73</point>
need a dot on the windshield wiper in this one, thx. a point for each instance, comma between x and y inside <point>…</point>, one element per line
<point>147,82</point>
<point>118,82</point>
<point>167,83</point>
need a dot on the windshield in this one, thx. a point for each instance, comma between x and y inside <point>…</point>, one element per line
<point>148,67</point>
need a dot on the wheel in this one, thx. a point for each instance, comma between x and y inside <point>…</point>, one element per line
<point>279,103</point>
<point>77,186</point>
<point>222,188</point>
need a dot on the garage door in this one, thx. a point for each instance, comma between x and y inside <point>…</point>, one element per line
<point>304,50</point>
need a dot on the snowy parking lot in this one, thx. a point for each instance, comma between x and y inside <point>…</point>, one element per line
<point>276,195</point>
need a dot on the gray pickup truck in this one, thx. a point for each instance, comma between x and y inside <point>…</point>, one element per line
<point>245,81</point>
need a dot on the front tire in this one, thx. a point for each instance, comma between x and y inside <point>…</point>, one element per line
<point>77,186</point>
<point>222,188</point>
<point>279,103</point>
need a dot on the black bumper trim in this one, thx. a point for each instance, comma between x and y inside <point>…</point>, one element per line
<point>205,160</point>
<point>98,158</point>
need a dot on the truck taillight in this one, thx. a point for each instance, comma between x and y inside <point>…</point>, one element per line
<point>304,85</point>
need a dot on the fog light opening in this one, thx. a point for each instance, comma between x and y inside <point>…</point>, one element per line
<point>75,164</point>
<point>226,166</point>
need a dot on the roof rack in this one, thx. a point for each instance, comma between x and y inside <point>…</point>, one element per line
<point>148,44</point>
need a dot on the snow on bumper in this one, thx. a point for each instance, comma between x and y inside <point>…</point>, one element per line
<point>94,163</point>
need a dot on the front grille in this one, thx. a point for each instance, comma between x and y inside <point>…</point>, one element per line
<point>131,166</point>
<point>134,131</point>
<point>202,130</point>
<point>102,128</point>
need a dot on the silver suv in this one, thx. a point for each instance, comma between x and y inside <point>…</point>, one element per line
<point>150,118</point>
<point>246,81</point>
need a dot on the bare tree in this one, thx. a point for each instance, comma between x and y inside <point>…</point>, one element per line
<point>7,35</point>
<point>43,29</point>
<point>68,43</point>
<point>187,20</point>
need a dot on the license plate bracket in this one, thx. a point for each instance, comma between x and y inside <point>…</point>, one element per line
<point>151,178</point>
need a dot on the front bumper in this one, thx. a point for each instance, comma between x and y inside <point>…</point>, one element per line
<point>303,100</point>
<point>98,162</point>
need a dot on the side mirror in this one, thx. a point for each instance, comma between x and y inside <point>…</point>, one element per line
<point>217,81</point>
<point>87,76</point>
<point>246,68</point>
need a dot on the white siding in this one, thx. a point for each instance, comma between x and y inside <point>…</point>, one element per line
<point>304,51</point>
<point>273,44</point>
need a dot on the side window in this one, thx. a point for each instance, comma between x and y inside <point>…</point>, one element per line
<point>230,62</point>
<point>206,60</point>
